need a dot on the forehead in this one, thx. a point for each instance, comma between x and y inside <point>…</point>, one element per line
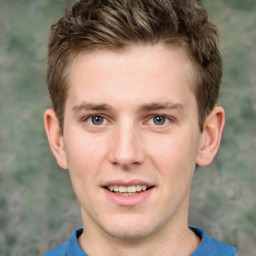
<point>142,73</point>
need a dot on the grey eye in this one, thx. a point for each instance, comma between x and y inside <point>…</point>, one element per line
<point>96,120</point>
<point>159,120</point>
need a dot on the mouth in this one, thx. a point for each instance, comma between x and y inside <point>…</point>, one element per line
<point>128,193</point>
<point>127,190</point>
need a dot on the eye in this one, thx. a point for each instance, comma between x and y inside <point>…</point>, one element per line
<point>96,120</point>
<point>158,120</point>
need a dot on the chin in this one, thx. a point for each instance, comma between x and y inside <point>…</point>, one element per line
<point>131,230</point>
<point>128,233</point>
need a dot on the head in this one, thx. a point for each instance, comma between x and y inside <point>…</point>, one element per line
<point>133,85</point>
<point>118,25</point>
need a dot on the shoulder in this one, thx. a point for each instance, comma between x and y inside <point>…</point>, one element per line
<point>219,248</point>
<point>69,248</point>
<point>212,247</point>
<point>60,250</point>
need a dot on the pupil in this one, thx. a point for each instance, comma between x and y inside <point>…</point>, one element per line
<point>97,120</point>
<point>159,120</point>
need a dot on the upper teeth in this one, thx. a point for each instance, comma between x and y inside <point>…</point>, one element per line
<point>124,189</point>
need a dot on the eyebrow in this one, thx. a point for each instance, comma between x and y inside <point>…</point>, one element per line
<point>91,106</point>
<point>157,106</point>
<point>142,108</point>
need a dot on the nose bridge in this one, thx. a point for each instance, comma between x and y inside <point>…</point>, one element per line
<point>126,147</point>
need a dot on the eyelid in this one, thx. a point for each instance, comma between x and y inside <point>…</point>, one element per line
<point>167,117</point>
<point>107,120</point>
<point>85,119</point>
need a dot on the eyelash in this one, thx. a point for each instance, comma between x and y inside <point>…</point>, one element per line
<point>86,118</point>
<point>168,119</point>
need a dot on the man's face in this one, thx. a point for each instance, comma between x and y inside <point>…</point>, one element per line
<point>131,139</point>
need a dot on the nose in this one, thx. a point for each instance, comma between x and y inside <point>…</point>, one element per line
<point>126,148</point>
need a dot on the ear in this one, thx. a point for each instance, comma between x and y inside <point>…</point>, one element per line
<point>211,136</point>
<point>55,138</point>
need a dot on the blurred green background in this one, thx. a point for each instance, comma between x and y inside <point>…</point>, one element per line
<point>38,209</point>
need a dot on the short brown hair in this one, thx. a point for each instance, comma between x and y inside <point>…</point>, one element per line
<point>118,24</point>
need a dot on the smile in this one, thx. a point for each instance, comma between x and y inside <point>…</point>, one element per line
<point>127,190</point>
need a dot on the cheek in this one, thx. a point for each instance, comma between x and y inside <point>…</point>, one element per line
<point>174,154</point>
<point>85,155</point>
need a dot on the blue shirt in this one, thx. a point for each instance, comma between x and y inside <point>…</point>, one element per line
<point>208,246</point>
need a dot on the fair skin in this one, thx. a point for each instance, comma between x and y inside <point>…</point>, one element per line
<point>131,124</point>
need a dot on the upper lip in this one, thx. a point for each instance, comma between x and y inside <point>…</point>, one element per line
<point>127,183</point>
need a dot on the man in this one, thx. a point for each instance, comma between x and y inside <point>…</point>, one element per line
<point>134,85</point>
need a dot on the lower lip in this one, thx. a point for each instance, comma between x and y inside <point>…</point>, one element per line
<point>129,200</point>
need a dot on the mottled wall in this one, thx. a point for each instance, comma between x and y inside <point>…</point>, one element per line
<point>38,209</point>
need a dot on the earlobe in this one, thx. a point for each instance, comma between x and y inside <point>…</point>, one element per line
<point>55,137</point>
<point>211,136</point>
